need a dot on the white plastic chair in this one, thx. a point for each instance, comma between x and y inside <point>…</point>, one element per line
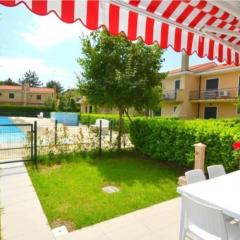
<point>40,115</point>
<point>194,176</point>
<point>105,123</point>
<point>206,222</point>
<point>216,171</point>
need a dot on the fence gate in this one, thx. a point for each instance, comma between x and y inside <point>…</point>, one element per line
<point>18,143</point>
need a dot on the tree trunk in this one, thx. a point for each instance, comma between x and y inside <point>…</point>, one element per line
<point>120,129</point>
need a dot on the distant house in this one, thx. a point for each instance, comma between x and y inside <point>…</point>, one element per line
<point>25,95</point>
<point>86,107</point>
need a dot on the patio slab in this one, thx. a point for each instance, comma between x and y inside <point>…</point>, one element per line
<point>160,221</point>
<point>22,217</point>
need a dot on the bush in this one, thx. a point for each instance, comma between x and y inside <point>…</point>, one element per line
<point>173,140</point>
<point>24,111</point>
<point>89,119</point>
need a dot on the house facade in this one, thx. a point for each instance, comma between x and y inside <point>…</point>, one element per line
<point>25,95</point>
<point>202,91</point>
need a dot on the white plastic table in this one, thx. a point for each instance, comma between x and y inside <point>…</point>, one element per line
<point>221,192</point>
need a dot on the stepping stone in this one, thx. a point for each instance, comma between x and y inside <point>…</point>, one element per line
<point>110,189</point>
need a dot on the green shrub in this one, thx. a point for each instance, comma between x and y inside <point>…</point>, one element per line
<point>24,111</point>
<point>173,140</point>
<point>89,119</point>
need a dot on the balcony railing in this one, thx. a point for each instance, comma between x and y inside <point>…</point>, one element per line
<point>224,93</point>
<point>169,95</point>
<point>173,95</point>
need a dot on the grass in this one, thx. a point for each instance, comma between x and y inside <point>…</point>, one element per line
<point>71,194</point>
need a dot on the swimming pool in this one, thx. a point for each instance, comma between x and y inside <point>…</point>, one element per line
<point>10,133</point>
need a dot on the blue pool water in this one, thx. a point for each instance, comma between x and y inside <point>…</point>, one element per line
<point>10,133</point>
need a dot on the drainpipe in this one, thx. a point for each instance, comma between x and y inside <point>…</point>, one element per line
<point>199,95</point>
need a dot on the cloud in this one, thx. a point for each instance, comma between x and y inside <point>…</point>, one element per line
<point>49,31</point>
<point>16,67</point>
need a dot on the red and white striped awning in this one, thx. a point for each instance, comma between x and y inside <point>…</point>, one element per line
<point>209,28</point>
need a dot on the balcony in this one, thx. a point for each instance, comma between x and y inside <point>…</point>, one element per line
<point>224,94</point>
<point>173,95</point>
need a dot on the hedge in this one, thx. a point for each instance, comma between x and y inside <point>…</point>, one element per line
<point>24,111</point>
<point>173,141</point>
<point>89,119</point>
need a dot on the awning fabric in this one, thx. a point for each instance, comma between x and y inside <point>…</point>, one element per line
<point>209,28</point>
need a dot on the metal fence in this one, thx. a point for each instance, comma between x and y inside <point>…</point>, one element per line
<point>24,142</point>
<point>18,143</point>
<point>58,138</point>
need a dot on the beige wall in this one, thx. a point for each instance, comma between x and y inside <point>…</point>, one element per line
<point>185,109</point>
<point>4,96</point>
<point>226,80</point>
<point>31,98</point>
<point>224,110</point>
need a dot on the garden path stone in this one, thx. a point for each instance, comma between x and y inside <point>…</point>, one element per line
<point>22,217</point>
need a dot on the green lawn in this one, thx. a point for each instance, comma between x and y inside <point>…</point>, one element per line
<point>71,193</point>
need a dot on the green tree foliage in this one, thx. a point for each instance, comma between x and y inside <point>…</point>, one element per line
<point>56,85</point>
<point>31,78</point>
<point>51,103</point>
<point>67,101</point>
<point>9,81</point>
<point>120,74</point>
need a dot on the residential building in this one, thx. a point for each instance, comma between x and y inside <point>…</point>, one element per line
<point>202,91</point>
<point>25,95</point>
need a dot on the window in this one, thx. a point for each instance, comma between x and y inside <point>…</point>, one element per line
<point>0,94</point>
<point>174,109</point>
<point>212,84</point>
<point>39,97</point>
<point>177,85</point>
<point>11,95</point>
<point>210,112</point>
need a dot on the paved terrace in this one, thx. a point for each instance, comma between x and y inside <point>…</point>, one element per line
<point>23,218</point>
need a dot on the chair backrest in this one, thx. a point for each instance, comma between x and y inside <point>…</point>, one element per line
<point>194,176</point>
<point>205,219</point>
<point>105,123</point>
<point>216,171</point>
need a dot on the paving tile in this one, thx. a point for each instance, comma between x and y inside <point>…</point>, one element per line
<point>22,217</point>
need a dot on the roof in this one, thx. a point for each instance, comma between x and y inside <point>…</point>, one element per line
<point>205,67</point>
<point>8,87</point>
<point>42,90</point>
<point>32,89</point>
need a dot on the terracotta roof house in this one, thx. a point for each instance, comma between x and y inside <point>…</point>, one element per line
<point>25,95</point>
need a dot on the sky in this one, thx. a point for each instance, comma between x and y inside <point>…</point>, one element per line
<point>49,47</point>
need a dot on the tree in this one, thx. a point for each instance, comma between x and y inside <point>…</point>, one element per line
<point>56,85</point>
<point>31,78</point>
<point>9,81</point>
<point>121,74</point>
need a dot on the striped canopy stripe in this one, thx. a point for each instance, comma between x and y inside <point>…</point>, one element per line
<point>179,24</point>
